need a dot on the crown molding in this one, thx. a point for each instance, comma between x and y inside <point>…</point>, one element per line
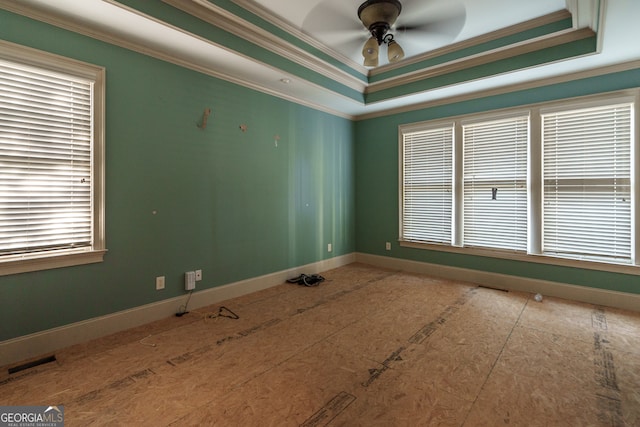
<point>586,13</point>
<point>532,45</point>
<point>474,41</point>
<point>227,21</point>
<point>113,39</point>
<point>266,15</point>
<point>564,78</point>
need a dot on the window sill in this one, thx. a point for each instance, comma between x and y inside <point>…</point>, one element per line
<point>519,256</point>
<point>50,261</point>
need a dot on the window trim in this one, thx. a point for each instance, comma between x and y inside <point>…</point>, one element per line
<point>402,130</point>
<point>572,108</point>
<point>534,172</point>
<point>65,258</point>
<point>469,144</point>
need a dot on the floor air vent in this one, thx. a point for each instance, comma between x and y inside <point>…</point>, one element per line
<point>32,364</point>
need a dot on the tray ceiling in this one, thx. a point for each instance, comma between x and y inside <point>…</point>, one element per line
<point>280,46</point>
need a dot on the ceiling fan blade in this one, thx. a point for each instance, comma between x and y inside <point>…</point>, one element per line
<point>419,45</point>
<point>346,37</point>
<point>353,49</point>
<point>423,9</point>
<point>332,16</point>
<point>445,18</point>
<point>448,30</point>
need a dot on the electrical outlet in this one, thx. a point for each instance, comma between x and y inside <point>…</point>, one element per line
<point>159,283</point>
<point>388,246</point>
<point>198,275</point>
<point>329,247</point>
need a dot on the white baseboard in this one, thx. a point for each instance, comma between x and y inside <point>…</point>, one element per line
<point>586,294</point>
<point>48,341</point>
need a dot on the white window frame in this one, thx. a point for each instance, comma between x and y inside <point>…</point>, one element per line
<point>12,264</point>
<point>492,120</point>
<point>535,183</point>
<point>435,126</point>
<point>602,227</point>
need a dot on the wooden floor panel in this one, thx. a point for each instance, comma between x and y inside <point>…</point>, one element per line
<point>367,347</point>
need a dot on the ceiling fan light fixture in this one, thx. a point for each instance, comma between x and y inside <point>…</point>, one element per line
<point>371,62</point>
<point>370,48</point>
<point>378,16</point>
<point>394,51</point>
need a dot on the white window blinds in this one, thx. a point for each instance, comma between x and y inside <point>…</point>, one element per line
<point>427,179</point>
<point>495,183</point>
<point>587,178</point>
<point>45,160</point>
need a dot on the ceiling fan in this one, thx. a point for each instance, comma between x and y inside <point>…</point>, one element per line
<point>420,25</point>
<point>378,16</point>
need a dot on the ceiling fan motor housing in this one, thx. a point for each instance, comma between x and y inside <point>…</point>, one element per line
<point>379,15</point>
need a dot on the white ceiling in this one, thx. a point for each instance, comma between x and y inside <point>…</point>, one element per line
<point>109,19</point>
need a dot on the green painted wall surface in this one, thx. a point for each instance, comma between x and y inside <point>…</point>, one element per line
<point>234,204</point>
<point>377,184</point>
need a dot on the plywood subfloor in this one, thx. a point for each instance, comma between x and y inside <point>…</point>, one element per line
<point>368,347</point>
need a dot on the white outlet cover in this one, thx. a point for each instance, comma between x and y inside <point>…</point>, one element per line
<point>159,283</point>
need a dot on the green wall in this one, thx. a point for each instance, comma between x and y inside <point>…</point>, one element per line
<point>377,185</point>
<point>231,203</point>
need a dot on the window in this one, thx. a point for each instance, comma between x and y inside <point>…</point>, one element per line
<point>427,178</point>
<point>555,181</point>
<point>587,183</point>
<point>495,183</point>
<point>51,154</point>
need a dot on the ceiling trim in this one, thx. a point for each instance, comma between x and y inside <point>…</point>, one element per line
<point>586,13</point>
<point>111,38</point>
<point>86,30</point>
<point>227,21</point>
<point>483,58</point>
<point>516,87</point>
<point>253,32</point>
<point>266,15</point>
<point>474,41</point>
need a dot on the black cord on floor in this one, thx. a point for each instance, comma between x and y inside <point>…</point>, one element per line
<point>182,310</point>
